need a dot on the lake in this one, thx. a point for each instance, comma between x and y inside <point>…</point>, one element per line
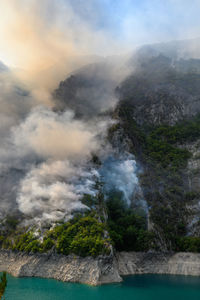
<point>137,287</point>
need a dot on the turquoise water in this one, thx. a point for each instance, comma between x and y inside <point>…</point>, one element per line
<point>138,287</point>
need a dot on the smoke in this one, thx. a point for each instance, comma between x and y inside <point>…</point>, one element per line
<point>45,155</point>
<point>35,140</point>
<point>52,191</point>
<point>45,40</point>
<point>32,41</point>
<point>57,136</point>
<point>52,153</point>
<point>120,174</point>
<point>15,102</point>
<point>91,89</point>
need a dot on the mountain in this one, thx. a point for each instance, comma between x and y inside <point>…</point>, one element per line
<point>158,117</point>
<point>147,187</point>
<point>3,67</point>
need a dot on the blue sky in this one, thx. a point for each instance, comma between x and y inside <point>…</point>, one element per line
<point>141,21</point>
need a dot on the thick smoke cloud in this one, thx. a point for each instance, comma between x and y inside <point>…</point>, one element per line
<point>51,152</point>
<point>45,155</point>
<point>52,190</point>
<point>56,136</point>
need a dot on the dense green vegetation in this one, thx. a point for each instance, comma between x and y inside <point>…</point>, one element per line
<point>158,144</point>
<point>128,231</point>
<point>91,235</point>
<point>3,284</point>
<point>88,234</point>
<point>179,133</point>
<point>165,154</point>
<point>83,235</point>
<point>188,244</point>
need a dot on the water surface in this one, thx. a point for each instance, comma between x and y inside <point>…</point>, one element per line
<point>137,287</point>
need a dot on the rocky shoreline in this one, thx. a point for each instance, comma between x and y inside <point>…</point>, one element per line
<point>100,270</point>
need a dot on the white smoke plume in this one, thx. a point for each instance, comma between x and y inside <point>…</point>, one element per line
<point>52,190</point>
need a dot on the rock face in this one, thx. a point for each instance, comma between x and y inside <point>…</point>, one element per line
<point>100,270</point>
<point>65,268</point>
<point>160,93</point>
<point>129,263</point>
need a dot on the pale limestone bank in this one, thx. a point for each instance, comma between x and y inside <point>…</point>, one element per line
<point>129,263</point>
<point>70,268</point>
<point>99,270</point>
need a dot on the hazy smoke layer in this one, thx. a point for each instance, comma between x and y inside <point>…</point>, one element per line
<point>47,39</point>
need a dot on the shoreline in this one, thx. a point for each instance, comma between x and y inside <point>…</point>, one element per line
<point>99,270</point>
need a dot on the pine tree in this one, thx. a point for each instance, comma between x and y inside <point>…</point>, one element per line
<point>3,284</point>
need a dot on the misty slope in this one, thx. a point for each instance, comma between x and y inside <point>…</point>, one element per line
<point>85,92</point>
<point>160,93</point>
<point>15,103</point>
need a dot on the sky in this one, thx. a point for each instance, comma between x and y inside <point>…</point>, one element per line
<point>141,21</point>
<point>101,27</point>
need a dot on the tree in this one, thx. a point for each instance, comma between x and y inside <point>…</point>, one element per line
<point>3,284</point>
